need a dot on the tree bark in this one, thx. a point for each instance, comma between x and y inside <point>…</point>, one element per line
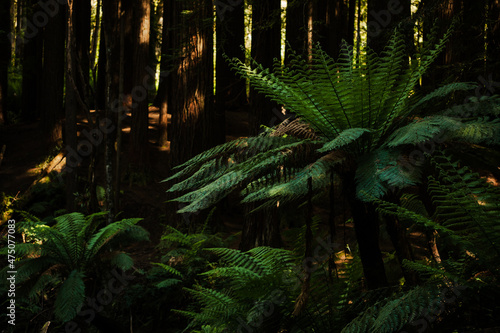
<point>53,76</point>
<point>166,65</point>
<point>383,17</point>
<point>366,227</point>
<point>266,46</point>
<point>72,157</point>
<point>32,66</point>
<point>296,27</point>
<point>111,21</point>
<point>143,81</point>
<point>230,89</point>
<point>260,229</point>
<point>191,97</point>
<point>95,36</point>
<point>471,34</point>
<point>493,40</point>
<point>100,90</point>
<point>5,55</point>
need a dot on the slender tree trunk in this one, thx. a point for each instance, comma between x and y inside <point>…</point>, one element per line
<point>493,40</point>
<point>472,48</point>
<point>95,35</point>
<point>166,65</point>
<point>5,55</point>
<point>191,102</point>
<point>139,156</point>
<point>296,27</point>
<point>351,23</point>
<point>383,17</point>
<point>20,13</point>
<point>266,46</point>
<point>111,20</point>
<point>72,157</point>
<point>261,228</point>
<point>53,76</point>
<point>230,89</point>
<point>100,90</point>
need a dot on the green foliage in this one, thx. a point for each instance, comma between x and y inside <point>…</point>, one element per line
<point>255,288</point>
<point>62,255</point>
<point>354,115</point>
<point>466,219</point>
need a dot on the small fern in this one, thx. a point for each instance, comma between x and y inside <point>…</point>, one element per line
<point>62,255</point>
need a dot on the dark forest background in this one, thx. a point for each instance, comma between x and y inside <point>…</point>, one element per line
<point>101,99</point>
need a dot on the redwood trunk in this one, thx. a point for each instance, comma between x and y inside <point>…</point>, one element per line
<point>191,102</point>
<point>143,82</point>
<point>53,77</point>
<point>5,55</point>
<point>266,45</point>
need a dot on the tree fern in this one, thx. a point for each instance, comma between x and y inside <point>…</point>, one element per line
<point>391,315</point>
<point>62,255</point>
<point>365,109</point>
<point>252,282</point>
<point>70,296</point>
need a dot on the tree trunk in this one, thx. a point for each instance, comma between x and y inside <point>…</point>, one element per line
<point>261,228</point>
<point>82,12</point>
<point>95,36</point>
<point>100,90</point>
<point>19,45</point>
<point>266,46</point>
<point>472,48</point>
<point>493,40</point>
<point>366,227</point>
<point>166,65</point>
<point>191,98</point>
<point>32,66</point>
<point>296,27</point>
<point>383,17</point>
<point>53,76</point>
<point>72,157</point>
<point>337,26</point>
<point>230,89</point>
<point>5,55</point>
<point>111,20</point>
<point>143,81</point>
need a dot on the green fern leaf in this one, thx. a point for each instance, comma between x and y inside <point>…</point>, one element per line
<point>346,137</point>
<point>70,297</point>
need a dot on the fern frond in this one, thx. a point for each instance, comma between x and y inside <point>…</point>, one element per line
<point>168,283</point>
<point>240,259</point>
<point>423,130</point>
<point>296,187</point>
<point>441,92</point>
<point>70,296</point>
<point>485,131</point>
<point>123,261</point>
<point>346,137</point>
<point>169,269</point>
<point>391,315</point>
<point>105,234</point>
<point>296,128</point>
<point>71,225</point>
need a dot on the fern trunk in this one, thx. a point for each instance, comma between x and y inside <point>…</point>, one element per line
<point>261,229</point>
<point>399,240</point>
<point>366,227</point>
